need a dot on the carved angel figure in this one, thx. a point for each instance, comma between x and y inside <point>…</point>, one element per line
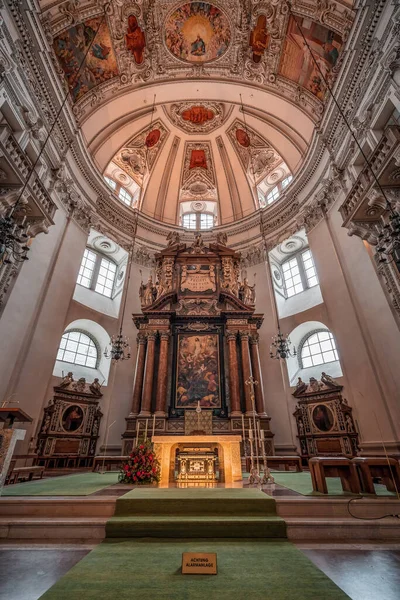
<point>300,386</point>
<point>80,385</point>
<point>198,245</point>
<point>314,385</point>
<point>222,238</point>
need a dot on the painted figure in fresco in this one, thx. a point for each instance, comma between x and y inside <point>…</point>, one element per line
<point>152,138</point>
<point>198,114</point>
<point>243,138</point>
<point>135,40</point>
<point>198,47</point>
<point>198,160</point>
<point>259,38</point>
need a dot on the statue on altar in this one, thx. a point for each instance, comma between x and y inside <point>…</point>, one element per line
<point>247,293</point>
<point>147,292</point>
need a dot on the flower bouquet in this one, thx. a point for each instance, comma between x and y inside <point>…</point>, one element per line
<point>142,466</point>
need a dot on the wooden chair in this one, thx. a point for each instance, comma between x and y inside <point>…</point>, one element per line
<point>380,467</point>
<point>322,467</point>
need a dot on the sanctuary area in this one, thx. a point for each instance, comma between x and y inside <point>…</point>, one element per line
<point>199,299</point>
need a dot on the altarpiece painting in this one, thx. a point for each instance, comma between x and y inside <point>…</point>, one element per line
<point>198,378</point>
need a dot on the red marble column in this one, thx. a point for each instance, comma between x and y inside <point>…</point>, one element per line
<point>148,375</point>
<point>233,375</point>
<point>139,373</point>
<point>246,368</point>
<point>256,368</point>
<point>161,401</point>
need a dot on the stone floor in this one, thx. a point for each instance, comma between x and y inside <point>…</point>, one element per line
<point>364,572</point>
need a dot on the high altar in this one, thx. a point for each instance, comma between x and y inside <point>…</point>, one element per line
<point>197,346</point>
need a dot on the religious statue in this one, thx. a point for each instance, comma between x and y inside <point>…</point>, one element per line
<point>46,424</point>
<point>95,387</point>
<point>247,293</point>
<point>198,245</point>
<point>135,40</point>
<point>314,385</point>
<point>173,238</point>
<point>67,380</point>
<point>300,386</point>
<point>328,380</point>
<point>80,385</point>
<point>146,292</point>
<point>222,238</point>
<point>259,38</point>
<point>300,425</point>
<point>212,277</point>
<point>349,424</point>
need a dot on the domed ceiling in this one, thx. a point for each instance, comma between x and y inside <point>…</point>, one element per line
<point>197,102</point>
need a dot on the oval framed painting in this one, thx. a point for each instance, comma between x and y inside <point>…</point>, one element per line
<point>197,32</point>
<point>72,418</point>
<point>323,417</point>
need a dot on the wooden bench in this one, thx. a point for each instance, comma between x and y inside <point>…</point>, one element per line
<point>379,467</point>
<point>322,467</point>
<point>25,473</point>
<point>109,461</point>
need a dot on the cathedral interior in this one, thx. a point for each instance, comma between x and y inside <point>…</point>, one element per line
<point>199,299</point>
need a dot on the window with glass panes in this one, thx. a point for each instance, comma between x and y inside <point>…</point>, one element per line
<point>319,348</point>
<point>97,273</point>
<point>125,196</point>
<point>111,183</point>
<point>286,181</point>
<point>273,195</point>
<point>292,277</point>
<point>299,273</point>
<point>78,348</point>
<point>106,277</point>
<point>197,220</point>
<point>87,268</point>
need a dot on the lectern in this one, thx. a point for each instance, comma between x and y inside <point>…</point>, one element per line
<point>9,436</point>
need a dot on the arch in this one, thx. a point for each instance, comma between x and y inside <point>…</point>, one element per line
<point>101,339</point>
<point>81,339</point>
<point>299,337</point>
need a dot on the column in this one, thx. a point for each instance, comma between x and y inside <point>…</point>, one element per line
<point>233,375</point>
<point>148,375</point>
<point>161,400</point>
<point>139,374</point>
<point>246,368</point>
<point>256,368</point>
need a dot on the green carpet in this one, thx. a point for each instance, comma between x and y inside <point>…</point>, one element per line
<point>301,483</point>
<point>196,513</point>
<point>81,484</point>
<point>151,570</point>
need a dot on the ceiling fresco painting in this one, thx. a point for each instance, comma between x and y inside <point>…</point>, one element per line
<point>203,117</point>
<point>259,38</point>
<point>100,65</point>
<point>198,175</point>
<point>197,32</point>
<point>297,63</point>
<point>135,40</point>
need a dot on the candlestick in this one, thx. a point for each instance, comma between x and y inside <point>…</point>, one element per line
<point>262,434</point>
<point>250,434</point>
<point>243,429</point>
<point>145,430</point>
<point>154,424</point>
<point>137,433</point>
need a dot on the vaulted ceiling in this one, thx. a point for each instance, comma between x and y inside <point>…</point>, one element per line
<point>198,101</point>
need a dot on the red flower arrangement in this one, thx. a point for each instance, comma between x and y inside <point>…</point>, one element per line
<point>142,466</point>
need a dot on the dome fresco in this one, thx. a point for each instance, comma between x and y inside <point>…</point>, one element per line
<point>197,32</point>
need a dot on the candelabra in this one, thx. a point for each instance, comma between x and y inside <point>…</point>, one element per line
<point>119,348</point>
<point>280,346</point>
<point>388,246</point>
<point>13,239</point>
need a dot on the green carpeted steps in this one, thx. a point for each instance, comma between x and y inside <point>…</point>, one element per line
<point>196,513</point>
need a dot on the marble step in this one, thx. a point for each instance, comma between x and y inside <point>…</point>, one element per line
<point>62,530</point>
<point>57,507</point>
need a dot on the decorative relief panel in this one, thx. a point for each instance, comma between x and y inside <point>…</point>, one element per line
<point>141,152</point>
<point>198,175</point>
<point>254,152</point>
<point>200,117</point>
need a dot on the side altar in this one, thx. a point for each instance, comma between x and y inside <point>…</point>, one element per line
<point>198,344</point>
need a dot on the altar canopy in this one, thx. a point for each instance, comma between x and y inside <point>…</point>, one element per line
<point>197,343</point>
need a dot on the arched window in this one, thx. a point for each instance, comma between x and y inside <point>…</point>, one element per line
<point>299,273</point>
<point>317,348</point>
<point>97,273</point>
<point>198,220</point>
<point>78,348</point>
